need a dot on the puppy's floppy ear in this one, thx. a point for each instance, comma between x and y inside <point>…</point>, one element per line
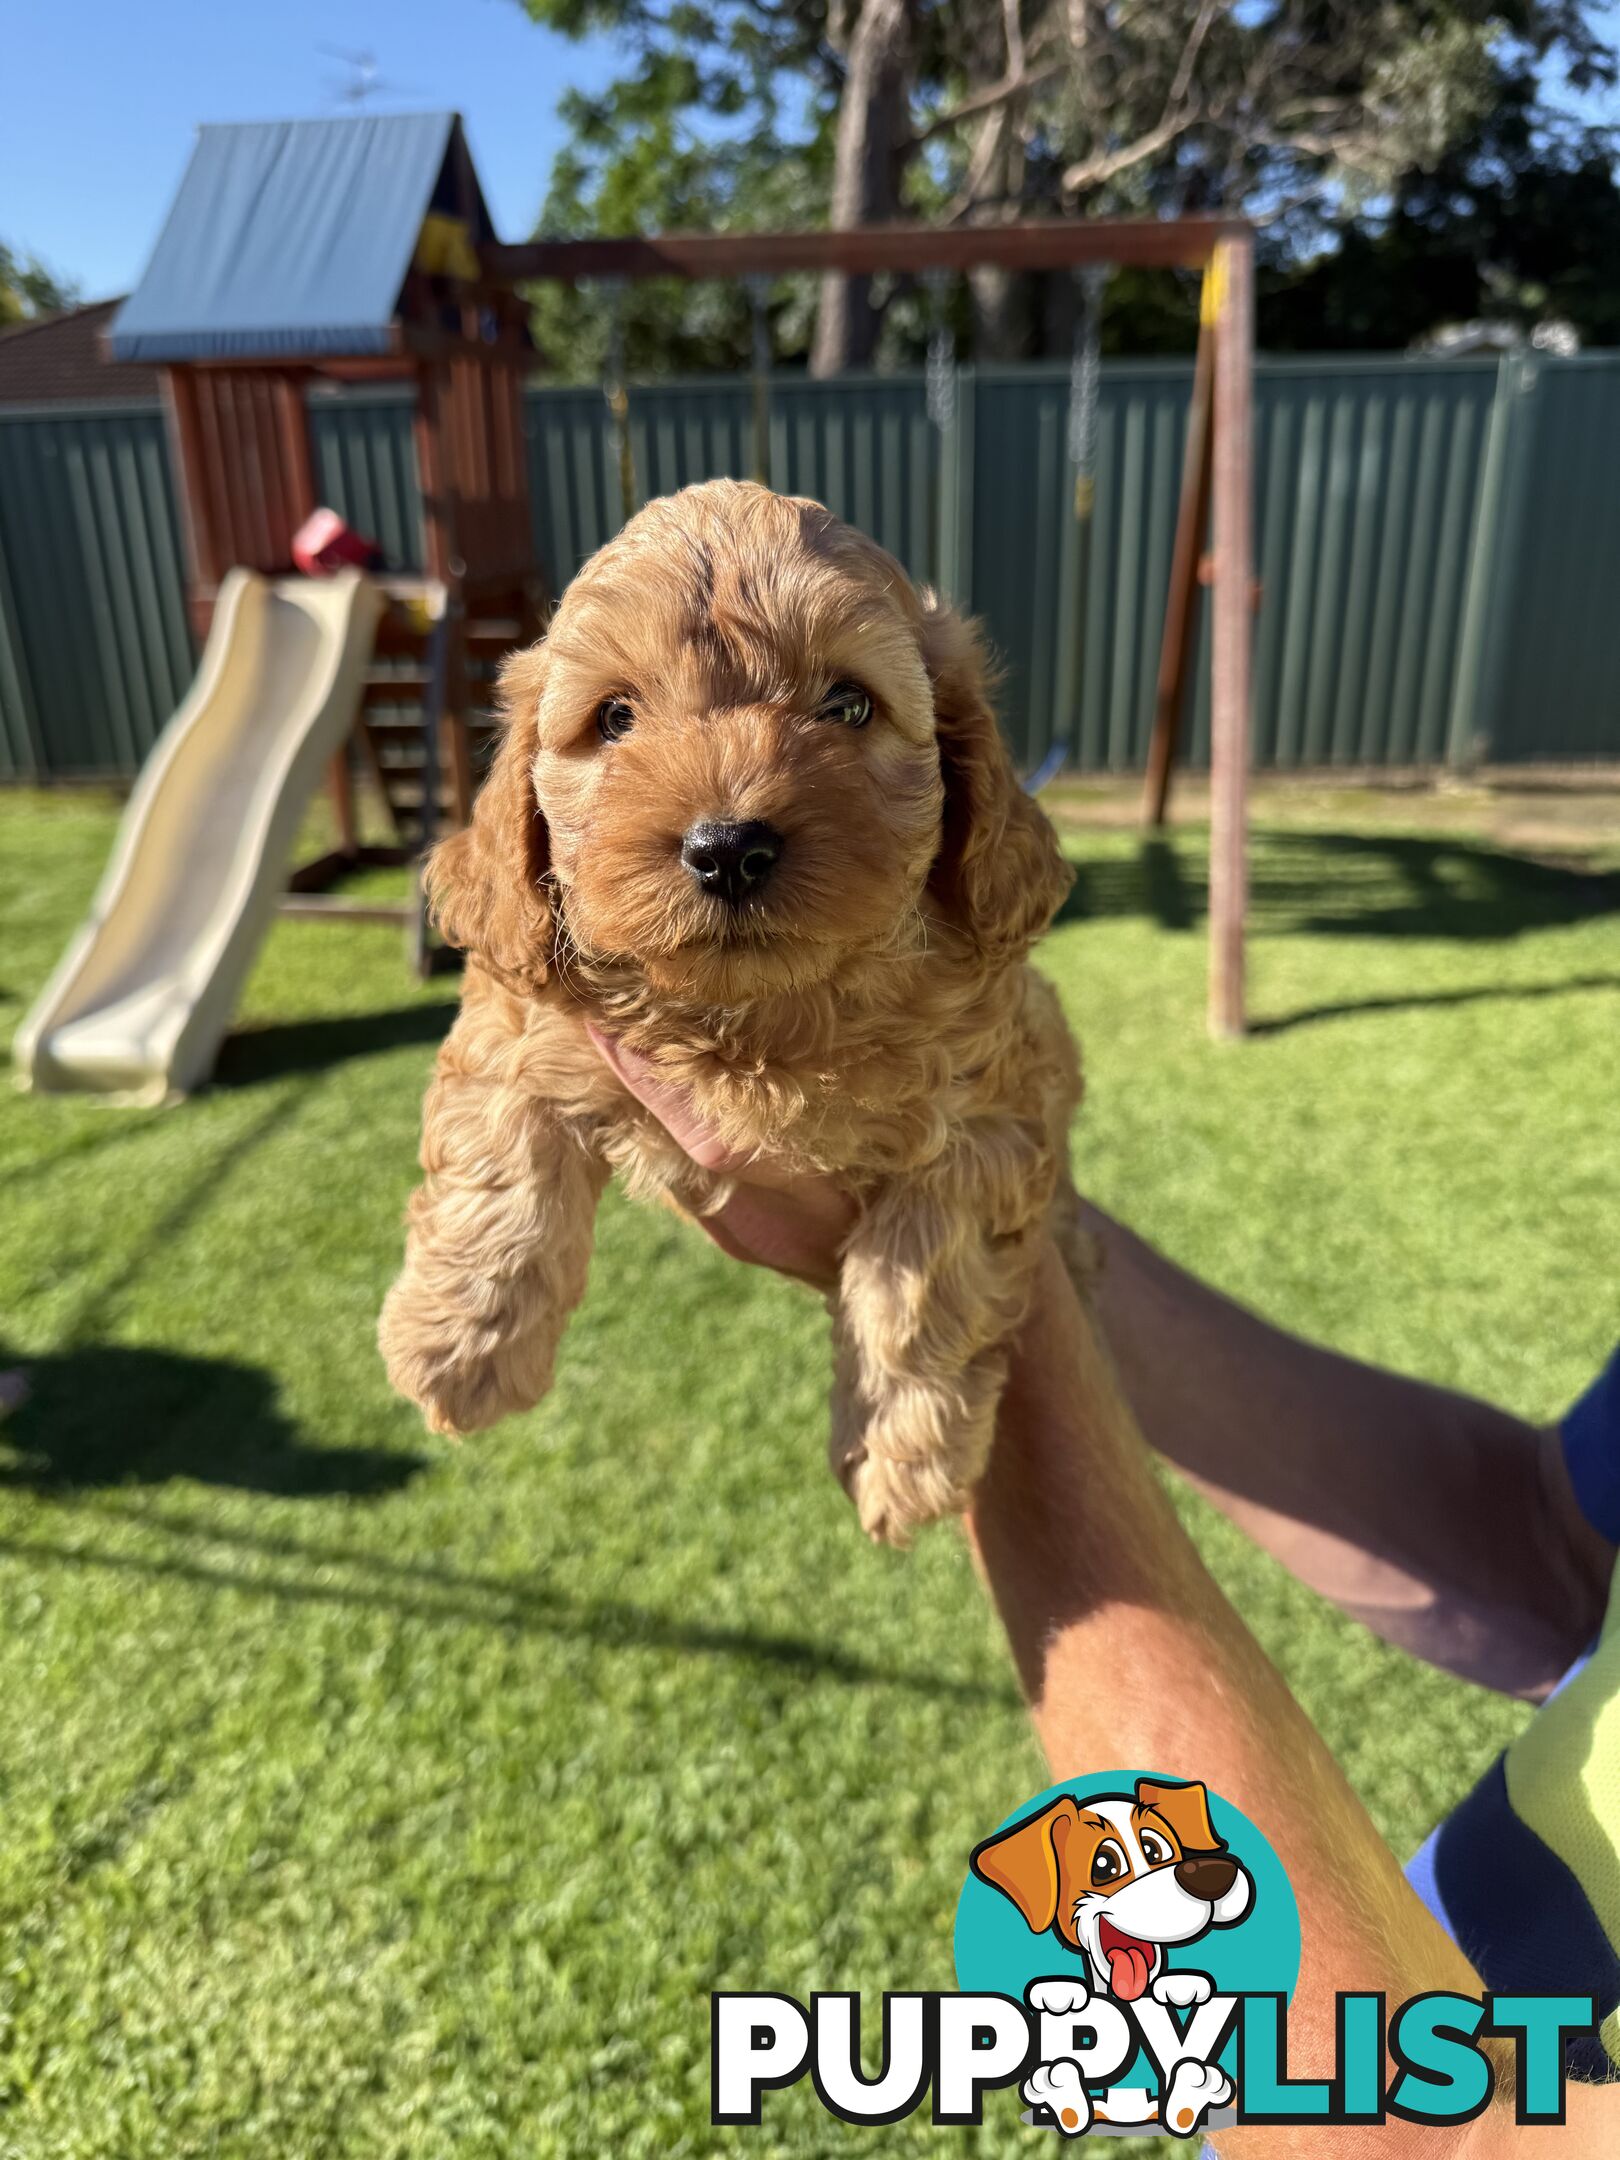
<point>1025,1862</point>
<point>487,885</point>
<point>1000,873</point>
<point>1186,1809</point>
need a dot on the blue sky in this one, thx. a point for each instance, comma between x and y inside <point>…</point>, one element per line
<point>101,99</point>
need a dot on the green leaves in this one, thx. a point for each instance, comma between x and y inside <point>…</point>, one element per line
<point>28,288</point>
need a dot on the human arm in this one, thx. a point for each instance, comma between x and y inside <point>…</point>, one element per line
<point>1130,1654</point>
<point>1447,1526</point>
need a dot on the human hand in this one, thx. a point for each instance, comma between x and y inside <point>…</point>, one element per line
<point>774,1218</point>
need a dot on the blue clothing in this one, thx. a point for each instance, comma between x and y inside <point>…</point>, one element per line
<point>1524,1874</point>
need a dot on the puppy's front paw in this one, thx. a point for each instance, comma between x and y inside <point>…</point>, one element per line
<point>1182,1990</point>
<point>910,1449</point>
<point>896,1499</point>
<point>456,1369</point>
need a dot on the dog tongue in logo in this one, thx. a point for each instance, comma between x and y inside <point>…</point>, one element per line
<point>1130,1963</point>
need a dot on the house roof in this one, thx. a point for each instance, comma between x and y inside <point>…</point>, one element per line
<point>293,237</point>
<point>60,360</point>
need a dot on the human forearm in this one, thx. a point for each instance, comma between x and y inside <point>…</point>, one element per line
<point>1131,1657</point>
<point>1444,1524</point>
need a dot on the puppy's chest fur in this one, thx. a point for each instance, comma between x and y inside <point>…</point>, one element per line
<point>871,1077</point>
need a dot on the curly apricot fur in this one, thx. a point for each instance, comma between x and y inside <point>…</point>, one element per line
<point>870,1015</point>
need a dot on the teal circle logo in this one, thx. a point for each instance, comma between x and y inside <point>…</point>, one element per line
<point>1119,1882</point>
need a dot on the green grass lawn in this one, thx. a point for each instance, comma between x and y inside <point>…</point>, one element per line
<point>364,1796</point>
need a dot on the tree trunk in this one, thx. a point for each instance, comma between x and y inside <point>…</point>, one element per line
<point>993,192</point>
<point>869,154</point>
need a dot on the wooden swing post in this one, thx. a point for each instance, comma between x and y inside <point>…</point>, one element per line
<point>1186,565</point>
<point>1231,624</point>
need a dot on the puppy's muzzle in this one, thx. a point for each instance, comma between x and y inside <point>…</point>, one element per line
<point>1207,1876</point>
<point>732,862</point>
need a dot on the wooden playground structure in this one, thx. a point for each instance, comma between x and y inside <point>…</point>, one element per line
<point>456,330</point>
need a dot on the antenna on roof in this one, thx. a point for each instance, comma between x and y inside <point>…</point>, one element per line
<point>363,80</point>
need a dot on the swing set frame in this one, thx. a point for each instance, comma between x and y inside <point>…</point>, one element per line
<point>1217,478</point>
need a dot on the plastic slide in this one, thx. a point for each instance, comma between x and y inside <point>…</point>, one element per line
<point>138,1005</point>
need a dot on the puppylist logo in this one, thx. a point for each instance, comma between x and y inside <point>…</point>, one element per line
<point>1126,1950</point>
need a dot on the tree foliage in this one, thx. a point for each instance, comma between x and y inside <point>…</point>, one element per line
<point>1515,223</point>
<point>1365,137</point>
<point>721,119</point>
<point>28,288</point>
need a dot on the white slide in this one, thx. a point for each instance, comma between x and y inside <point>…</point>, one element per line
<point>141,999</point>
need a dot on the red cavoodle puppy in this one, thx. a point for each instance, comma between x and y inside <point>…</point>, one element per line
<point>752,816</point>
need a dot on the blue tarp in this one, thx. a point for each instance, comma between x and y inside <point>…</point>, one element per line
<point>294,236</point>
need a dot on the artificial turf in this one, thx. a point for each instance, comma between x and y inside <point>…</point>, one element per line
<point>360,1795</point>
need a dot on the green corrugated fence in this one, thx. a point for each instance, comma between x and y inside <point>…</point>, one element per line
<point>95,652</point>
<point>1437,542</point>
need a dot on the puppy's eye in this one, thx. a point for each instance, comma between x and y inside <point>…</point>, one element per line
<point>615,717</point>
<point>1107,1864</point>
<point>847,703</point>
<point>1154,1849</point>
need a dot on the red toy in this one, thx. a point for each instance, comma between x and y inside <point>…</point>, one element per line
<point>323,545</point>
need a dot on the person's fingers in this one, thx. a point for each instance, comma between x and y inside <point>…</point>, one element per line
<point>775,1218</point>
<point>673,1109</point>
<point>669,1105</point>
<point>798,1232</point>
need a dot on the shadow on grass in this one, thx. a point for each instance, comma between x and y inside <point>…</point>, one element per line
<point>420,1590</point>
<point>256,1054</point>
<point>102,1299</point>
<point>1370,885</point>
<point>1433,1000</point>
<point>1157,884</point>
<point>101,1415</point>
<point>129,1125</point>
<point>1353,885</point>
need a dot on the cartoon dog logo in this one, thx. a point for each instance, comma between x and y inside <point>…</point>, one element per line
<point>1119,1877</point>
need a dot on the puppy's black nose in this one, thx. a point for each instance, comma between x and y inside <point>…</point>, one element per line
<point>1206,1875</point>
<point>731,861</point>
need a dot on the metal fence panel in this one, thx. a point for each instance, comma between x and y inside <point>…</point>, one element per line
<point>365,468</point>
<point>91,542</point>
<point>1075,620</point>
<point>1368,487</point>
<point>1436,541</point>
<point>862,445</point>
<point>1557,687</point>
<point>22,755</point>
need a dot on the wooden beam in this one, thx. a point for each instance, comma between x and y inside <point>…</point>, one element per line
<point>1232,620</point>
<point>196,512</point>
<point>320,907</point>
<point>340,787</point>
<point>432,456</point>
<point>297,455</point>
<point>322,871</point>
<point>1028,244</point>
<point>1181,602</point>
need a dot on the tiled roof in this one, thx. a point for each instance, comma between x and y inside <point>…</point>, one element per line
<point>60,360</point>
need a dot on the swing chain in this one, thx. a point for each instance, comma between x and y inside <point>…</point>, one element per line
<point>941,376</point>
<point>1085,386</point>
<point>617,394</point>
<point>613,388</point>
<point>758,288</point>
